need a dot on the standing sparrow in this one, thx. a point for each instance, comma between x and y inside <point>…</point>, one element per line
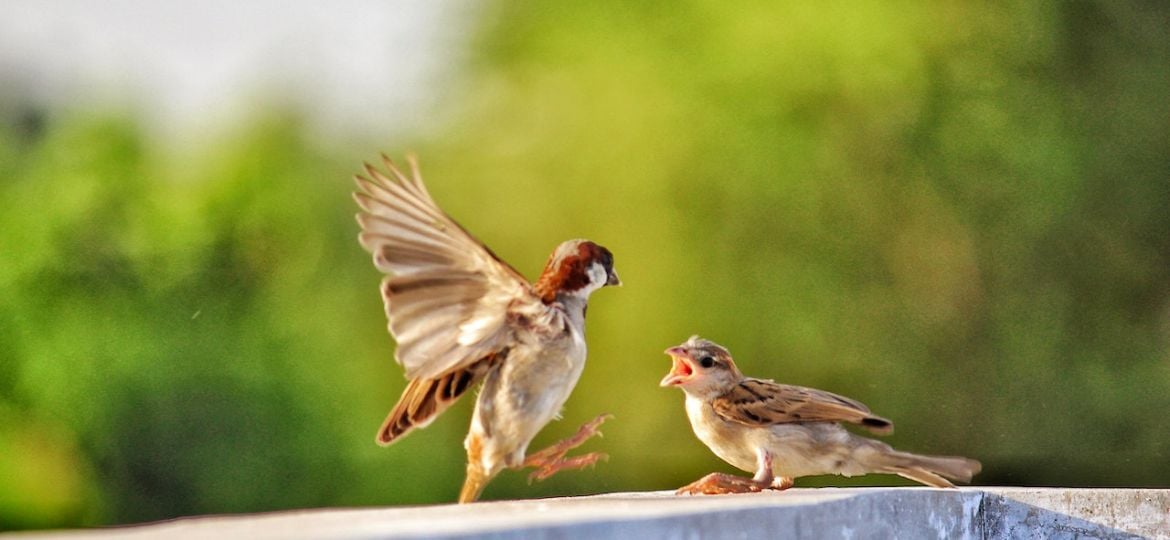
<point>462,316</point>
<point>782,431</point>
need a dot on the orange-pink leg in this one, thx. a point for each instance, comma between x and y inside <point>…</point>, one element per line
<point>720,483</point>
<point>552,460</point>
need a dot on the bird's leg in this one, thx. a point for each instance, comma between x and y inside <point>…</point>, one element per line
<point>763,468</point>
<point>720,483</point>
<point>559,449</point>
<point>552,460</point>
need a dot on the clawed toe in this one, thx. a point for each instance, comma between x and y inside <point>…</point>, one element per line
<point>576,462</point>
<point>552,460</point>
<point>723,484</point>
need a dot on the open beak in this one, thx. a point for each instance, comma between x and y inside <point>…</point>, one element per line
<point>681,370</point>
<point>612,279</point>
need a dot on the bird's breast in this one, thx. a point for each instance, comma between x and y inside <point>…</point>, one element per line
<point>541,378</point>
<point>731,442</point>
<point>526,392</point>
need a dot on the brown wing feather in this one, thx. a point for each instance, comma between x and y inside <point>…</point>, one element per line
<point>447,296</point>
<point>756,402</point>
<point>425,399</point>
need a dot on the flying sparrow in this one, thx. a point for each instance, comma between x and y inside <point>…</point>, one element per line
<point>462,316</point>
<point>782,431</point>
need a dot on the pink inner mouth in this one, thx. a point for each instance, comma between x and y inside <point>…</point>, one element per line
<point>682,368</point>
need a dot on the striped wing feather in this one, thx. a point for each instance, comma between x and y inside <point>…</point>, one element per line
<point>425,399</point>
<point>757,402</point>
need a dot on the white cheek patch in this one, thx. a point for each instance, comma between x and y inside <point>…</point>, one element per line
<point>597,277</point>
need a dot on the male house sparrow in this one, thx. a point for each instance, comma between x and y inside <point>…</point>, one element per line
<point>460,316</point>
<point>782,431</point>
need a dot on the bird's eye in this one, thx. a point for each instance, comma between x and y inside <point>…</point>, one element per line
<point>706,361</point>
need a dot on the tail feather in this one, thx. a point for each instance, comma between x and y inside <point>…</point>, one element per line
<point>923,476</point>
<point>931,470</point>
<point>425,399</point>
<point>416,408</point>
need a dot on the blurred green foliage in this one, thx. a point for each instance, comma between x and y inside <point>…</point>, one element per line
<point>954,213</point>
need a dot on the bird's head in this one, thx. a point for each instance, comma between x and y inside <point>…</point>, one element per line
<point>701,368</point>
<point>576,268</point>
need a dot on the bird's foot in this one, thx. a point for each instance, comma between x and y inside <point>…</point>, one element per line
<point>558,450</point>
<point>720,483</point>
<point>781,483</point>
<point>552,460</point>
<point>561,463</point>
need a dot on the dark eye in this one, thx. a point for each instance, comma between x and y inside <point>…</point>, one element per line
<point>706,361</point>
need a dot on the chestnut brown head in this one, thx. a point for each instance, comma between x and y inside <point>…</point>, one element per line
<point>576,268</point>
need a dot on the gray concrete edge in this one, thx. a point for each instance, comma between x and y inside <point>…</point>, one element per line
<point>811,513</point>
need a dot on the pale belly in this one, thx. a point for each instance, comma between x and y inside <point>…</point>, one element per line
<point>797,449</point>
<point>525,394</point>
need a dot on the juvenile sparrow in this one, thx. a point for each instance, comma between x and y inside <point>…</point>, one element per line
<point>782,431</point>
<point>462,316</point>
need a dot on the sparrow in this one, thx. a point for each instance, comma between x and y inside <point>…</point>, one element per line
<point>782,432</point>
<point>462,317</point>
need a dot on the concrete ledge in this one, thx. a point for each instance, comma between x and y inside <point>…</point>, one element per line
<point>797,513</point>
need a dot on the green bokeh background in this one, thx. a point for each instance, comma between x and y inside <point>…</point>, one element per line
<point>955,212</point>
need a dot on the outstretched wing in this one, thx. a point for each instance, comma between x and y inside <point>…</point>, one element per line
<point>447,295</point>
<point>756,402</point>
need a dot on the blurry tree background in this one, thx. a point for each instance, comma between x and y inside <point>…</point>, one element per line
<point>955,212</point>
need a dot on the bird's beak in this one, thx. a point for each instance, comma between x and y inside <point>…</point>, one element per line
<point>681,370</point>
<point>612,279</point>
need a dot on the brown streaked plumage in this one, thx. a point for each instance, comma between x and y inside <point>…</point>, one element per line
<point>782,431</point>
<point>462,317</point>
<point>756,402</point>
<point>425,399</point>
